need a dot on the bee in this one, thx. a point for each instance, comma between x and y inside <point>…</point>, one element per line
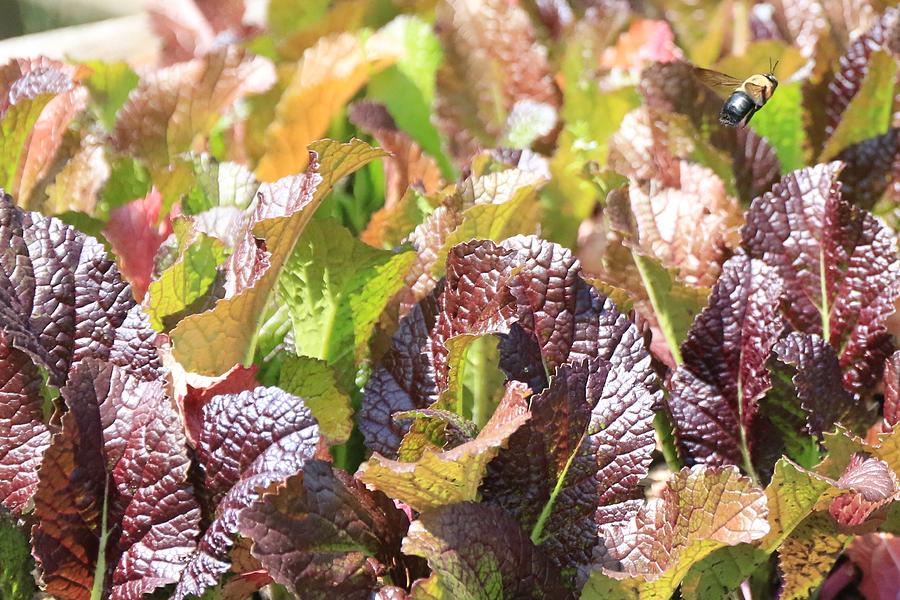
<point>747,96</point>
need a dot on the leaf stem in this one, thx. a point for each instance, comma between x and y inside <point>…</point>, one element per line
<point>745,449</point>
<point>538,529</point>
<point>665,324</point>
<point>100,568</point>
<point>664,428</point>
<point>482,407</point>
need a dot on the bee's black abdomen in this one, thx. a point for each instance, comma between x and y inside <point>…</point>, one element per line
<point>738,106</point>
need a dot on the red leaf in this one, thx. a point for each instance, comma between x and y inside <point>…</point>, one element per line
<point>135,232</point>
<point>113,484</point>
<point>878,555</point>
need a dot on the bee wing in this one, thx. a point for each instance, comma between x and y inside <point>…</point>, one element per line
<point>720,82</point>
<point>755,91</point>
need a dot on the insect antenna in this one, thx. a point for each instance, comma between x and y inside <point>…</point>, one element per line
<point>772,67</point>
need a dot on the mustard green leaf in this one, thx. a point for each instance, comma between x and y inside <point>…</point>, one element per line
<point>313,380</point>
<point>109,84</point>
<point>336,288</point>
<point>186,280</point>
<point>869,112</point>
<point>280,215</point>
<point>782,124</point>
<point>440,478</point>
<point>326,77</point>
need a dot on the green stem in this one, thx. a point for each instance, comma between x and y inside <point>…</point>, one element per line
<point>665,324</point>
<point>538,529</point>
<point>665,429</point>
<point>745,449</point>
<point>482,407</point>
<point>100,569</point>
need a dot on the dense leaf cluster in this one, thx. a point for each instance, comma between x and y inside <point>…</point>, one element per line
<point>426,299</point>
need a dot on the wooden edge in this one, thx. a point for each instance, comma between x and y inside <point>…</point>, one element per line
<point>125,38</point>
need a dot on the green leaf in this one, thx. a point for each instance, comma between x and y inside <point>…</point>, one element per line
<point>781,122</point>
<point>722,572</point>
<point>407,88</point>
<point>128,180</point>
<point>109,85</point>
<point>283,211</point>
<point>675,304</point>
<point>601,587</point>
<point>186,280</point>
<point>219,184</point>
<point>336,288</point>
<point>590,118</point>
<point>16,582</point>
<point>285,16</point>
<point>869,113</point>
<point>441,478</point>
<point>792,495</point>
<point>15,127</point>
<point>314,381</point>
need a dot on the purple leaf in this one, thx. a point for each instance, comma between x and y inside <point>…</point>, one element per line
<point>892,391</point>
<point>113,489</point>
<point>872,485</point>
<point>714,394</point>
<point>23,435</point>
<point>839,266</point>
<point>817,379</point>
<point>576,464</point>
<point>403,381</point>
<point>62,300</point>
<point>871,166</point>
<point>323,534</point>
<point>248,442</point>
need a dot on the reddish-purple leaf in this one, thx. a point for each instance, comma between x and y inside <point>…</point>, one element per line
<point>477,549</point>
<point>872,484</point>
<point>526,290</point>
<point>62,300</point>
<point>714,394</point>
<point>248,442</point>
<point>699,509</point>
<point>324,535</point>
<point>113,489</point>
<point>136,233</point>
<point>871,166</point>
<point>884,34</point>
<point>892,391</point>
<point>839,265</point>
<point>475,299</point>
<point>403,381</point>
<point>578,459</point>
<point>23,434</point>
<point>878,555</point>
<point>818,380</point>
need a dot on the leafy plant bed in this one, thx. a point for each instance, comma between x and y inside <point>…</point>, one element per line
<point>454,300</point>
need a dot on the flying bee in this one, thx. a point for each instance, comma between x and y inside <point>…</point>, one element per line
<point>747,96</point>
